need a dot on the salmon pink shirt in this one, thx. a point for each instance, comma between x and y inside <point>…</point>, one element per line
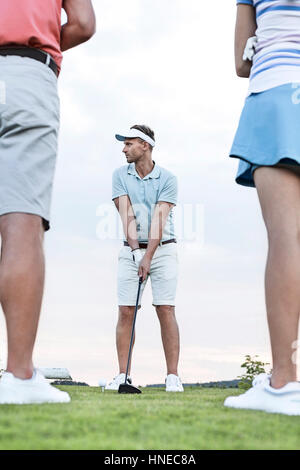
<point>33,23</point>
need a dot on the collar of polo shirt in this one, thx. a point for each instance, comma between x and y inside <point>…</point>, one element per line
<point>155,173</point>
<point>134,134</point>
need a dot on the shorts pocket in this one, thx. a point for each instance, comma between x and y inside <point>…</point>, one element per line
<point>125,253</point>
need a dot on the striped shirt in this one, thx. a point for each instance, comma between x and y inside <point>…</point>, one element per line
<point>277,53</point>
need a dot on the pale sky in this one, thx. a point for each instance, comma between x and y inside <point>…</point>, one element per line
<point>168,64</point>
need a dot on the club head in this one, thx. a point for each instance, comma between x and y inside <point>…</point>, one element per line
<point>127,388</point>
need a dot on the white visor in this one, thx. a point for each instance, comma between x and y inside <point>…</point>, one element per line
<point>133,134</point>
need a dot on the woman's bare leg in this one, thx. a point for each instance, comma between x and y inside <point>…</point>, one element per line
<point>279,196</point>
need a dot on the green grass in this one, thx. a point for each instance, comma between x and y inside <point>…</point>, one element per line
<point>195,419</point>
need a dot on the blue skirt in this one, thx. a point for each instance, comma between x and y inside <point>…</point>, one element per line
<point>269,132</point>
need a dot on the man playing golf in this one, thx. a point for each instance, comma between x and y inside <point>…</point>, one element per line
<point>145,194</point>
<point>31,45</point>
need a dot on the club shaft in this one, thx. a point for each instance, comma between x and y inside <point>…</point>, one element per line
<point>132,331</point>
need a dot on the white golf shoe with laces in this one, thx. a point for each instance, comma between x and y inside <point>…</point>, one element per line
<point>261,396</point>
<point>117,381</point>
<point>29,391</point>
<point>173,383</point>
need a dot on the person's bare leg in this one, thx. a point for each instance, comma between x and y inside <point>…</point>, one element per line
<point>170,336</point>
<point>21,287</point>
<point>123,335</point>
<point>279,195</point>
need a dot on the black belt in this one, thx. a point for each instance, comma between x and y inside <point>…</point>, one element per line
<point>144,245</point>
<point>31,52</point>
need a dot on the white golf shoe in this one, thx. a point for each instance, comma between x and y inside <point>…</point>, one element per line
<point>261,396</point>
<point>117,381</point>
<point>29,391</point>
<point>173,383</point>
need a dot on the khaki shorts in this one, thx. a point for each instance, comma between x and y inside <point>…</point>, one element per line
<point>163,275</point>
<point>29,126</point>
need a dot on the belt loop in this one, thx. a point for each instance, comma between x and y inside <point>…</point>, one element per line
<point>160,243</point>
<point>48,59</point>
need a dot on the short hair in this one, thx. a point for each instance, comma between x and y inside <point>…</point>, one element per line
<point>146,130</point>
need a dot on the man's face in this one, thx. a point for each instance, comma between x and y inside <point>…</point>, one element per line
<point>134,149</point>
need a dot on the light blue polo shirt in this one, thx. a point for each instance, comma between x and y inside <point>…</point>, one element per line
<point>144,193</point>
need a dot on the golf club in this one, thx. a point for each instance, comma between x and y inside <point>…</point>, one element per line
<point>125,387</point>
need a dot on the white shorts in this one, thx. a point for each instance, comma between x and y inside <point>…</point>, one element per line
<point>163,275</point>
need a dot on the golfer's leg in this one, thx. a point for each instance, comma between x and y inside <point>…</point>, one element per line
<point>21,286</point>
<point>170,336</point>
<point>128,285</point>
<point>123,335</point>
<point>279,195</point>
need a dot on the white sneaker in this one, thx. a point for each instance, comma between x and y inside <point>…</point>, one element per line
<point>117,381</point>
<point>173,383</point>
<point>35,390</point>
<point>261,396</point>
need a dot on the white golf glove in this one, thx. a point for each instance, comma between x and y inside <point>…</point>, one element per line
<point>137,256</point>
<point>250,48</point>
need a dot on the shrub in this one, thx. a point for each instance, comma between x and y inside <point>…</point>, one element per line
<point>253,368</point>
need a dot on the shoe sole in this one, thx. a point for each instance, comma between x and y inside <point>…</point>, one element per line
<point>174,391</point>
<point>34,401</point>
<point>289,412</point>
<point>30,402</point>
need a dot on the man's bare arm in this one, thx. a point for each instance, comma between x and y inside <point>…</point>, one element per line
<point>245,28</point>
<point>158,223</point>
<point>124,207</point>
<point>81,24</point>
